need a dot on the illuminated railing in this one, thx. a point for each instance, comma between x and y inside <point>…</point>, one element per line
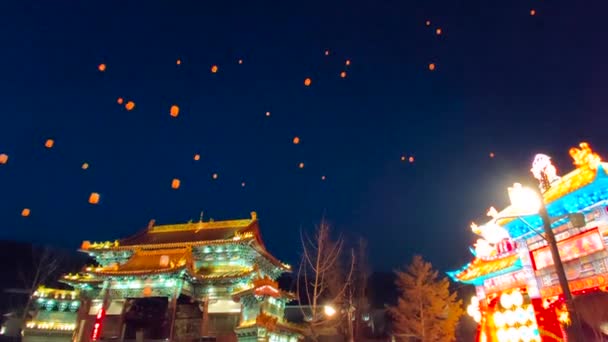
<point>57,326</point>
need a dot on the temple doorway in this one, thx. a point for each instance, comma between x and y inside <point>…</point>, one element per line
<point>146,319</point>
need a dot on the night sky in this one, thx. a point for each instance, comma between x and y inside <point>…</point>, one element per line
<point>505,82</point>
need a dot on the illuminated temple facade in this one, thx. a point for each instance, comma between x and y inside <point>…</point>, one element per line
<point>518,297</point>
<point>201,281</point>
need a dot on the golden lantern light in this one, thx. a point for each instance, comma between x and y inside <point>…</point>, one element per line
<point>174,112</point>
<point>49,143</point>
<point>214,68</point>
<point>94,198</point>
<point>3,159</point>
<point>130,105</point>
<point>175,183</point>
<point>307,81</point>
<point>101,67</point>
<point>25,212</point>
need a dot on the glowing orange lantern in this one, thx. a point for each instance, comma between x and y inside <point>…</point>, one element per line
<point>86,244</point>
<point>197,157</point>
<point>214,176</point>
<point>267,113</point>
<point>85,166</point>
<point>491,154</point>
<point>402,158</point>
<point>432,66</point>
<point>174,111</point>
<point>322,178</point>
<point>94,198</point>
<point>178,62</point>
<point>438,31</point>
<point>3,159</point>
<point>307,82</point>
<point>240,61</point>
<point>301,165</point>
<point>343,74</point>
<point>347,63</point>
<point>411,159</point>
<point>175,183</point>
<point>147,291</point>
<point>120,100</point>
<point>532,12</point>
<point>296,140</point>
<point>101,67</point>
<point>428,23</point>
<point>326,52</point>
<point>130,105</point>
<point>49,143</point>
<point>214,69</point>
<point>25,212</point>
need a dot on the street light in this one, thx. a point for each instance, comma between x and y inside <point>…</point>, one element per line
<point>531,202</point>
<point>329,311</point>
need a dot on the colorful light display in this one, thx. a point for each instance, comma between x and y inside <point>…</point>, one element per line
<point>572,248</point>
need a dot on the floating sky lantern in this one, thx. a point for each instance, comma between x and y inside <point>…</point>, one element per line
<point>120,100</point>
<point>175,183</point>
<point>94,198</point>
<point>197,157</point>
<point>101,67</point>
<point>178,61</point>
<point>307,81</point>
<point>3,159</point>
<point>243,184</point>
<point>403,158</point>
<point>240,61</point>
<point>343,74</point>
<point>130,105</point>
<point>215,176</point>
<point>491,154</point>
<point>296,140</point>
<point>301,165</point>
<point>267,113</point>
<point>428,23</point>
<point>432,66</point>
<point>85,166</point>
<point>49,143</point>
<point>532,12</point>
<point>25,212</point>
<point>214,68</point>
<point>438,31</point>
<point>411,159</point>
<point>323,178</point>
<point>347,62</point>
<point>174,111</point>
<point>326,52</point>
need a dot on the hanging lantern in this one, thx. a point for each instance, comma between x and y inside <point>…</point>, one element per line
<point>49,143</point>
<point>25,212</point>
<point>94,198</point>
<point>214,69</point>
<point>174,111</point>
<point>307,82</point>
<point>101,67</point>
<point>130,105</point>
<point>3,159</point>
<point>175,183</point>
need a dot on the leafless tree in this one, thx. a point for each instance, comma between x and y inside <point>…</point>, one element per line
<point>44,265</point>
<point>321,279</point>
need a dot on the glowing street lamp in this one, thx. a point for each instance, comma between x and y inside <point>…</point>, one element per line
<point>329,310</point>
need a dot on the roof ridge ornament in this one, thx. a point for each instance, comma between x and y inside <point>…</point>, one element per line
<point>544,171</point>
<point>584,156</point>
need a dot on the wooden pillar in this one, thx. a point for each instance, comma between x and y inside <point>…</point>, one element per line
<point>81,318</point>
<point>205,318</point>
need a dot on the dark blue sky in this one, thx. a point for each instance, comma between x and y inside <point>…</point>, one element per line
<point>506,82</point>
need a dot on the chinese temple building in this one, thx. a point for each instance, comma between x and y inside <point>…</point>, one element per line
<point>54,316</point>
<point>196,281</point>
<point>518,297</point>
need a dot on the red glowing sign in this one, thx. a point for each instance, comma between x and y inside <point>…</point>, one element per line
<point>95,334</point>
<point>569,249</point>
<point>505,281</point>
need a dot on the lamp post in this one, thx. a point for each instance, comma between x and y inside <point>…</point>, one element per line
<point>575,333</point>
<point>529,201</point>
